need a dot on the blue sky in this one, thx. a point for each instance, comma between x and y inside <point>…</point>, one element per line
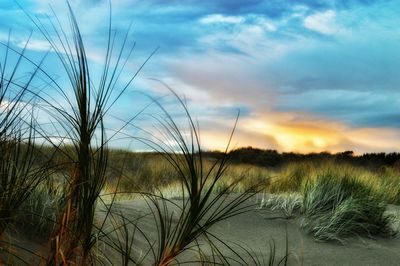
<point>306,75</point>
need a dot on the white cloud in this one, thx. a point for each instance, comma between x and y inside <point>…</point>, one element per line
<point>218,18</point>
<point>323,22</point>
<point>265,24</point>
<point>36,45</point>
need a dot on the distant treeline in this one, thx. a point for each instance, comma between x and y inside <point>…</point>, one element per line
<point>274,158</point>
<point>248,155</point>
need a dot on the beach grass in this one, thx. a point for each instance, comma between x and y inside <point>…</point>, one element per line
<point>337,206</point>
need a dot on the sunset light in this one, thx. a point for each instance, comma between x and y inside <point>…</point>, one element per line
<point>307,77</point>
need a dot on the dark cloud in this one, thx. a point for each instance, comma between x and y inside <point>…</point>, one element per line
<point>379,119</point>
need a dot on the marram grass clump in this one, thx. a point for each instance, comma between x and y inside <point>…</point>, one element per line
<point>339,206</point>
<point>289,204</point>
<point>292,177</point>
<point>37,217</point>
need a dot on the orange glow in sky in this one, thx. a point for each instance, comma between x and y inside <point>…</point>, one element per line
<point>305,136</point>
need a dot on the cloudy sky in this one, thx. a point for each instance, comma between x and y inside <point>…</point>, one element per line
<point>306,75</point>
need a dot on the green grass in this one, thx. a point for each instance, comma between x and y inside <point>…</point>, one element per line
<point>337,206</point>
<point>38,215</point>
<point>288,204</point>
<point>293,177</point>
<point>142,173</point>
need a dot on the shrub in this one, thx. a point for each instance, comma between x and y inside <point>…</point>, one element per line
<point>337,206</point>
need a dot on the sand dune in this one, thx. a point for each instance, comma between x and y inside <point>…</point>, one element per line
<point>255,230</point>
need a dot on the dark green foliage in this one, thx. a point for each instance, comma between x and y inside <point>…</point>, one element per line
<point>274,158</point>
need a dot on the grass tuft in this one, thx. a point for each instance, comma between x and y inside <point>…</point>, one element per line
<point>339,206</point>
<point>288,204</point>
<point>37,218</point>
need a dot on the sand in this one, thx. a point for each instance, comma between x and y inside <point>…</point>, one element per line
<point>257,228</point>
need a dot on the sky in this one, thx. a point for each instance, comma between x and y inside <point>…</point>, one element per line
<point>307,76</point>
